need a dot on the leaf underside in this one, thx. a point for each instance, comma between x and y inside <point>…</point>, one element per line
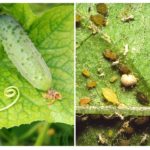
<point>90,55</point>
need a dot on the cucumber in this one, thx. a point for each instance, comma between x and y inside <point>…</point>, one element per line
<point>23,54</point>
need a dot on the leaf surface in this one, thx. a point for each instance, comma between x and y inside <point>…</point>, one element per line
<point>90,55</point>
<point>52,34</point>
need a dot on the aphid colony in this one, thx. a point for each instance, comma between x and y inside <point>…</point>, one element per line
<point>127,80</point>
<point>126,131</point>
<point>129,128</point>
<point>100,18</point>
<point>96,20</point>
<point>113,131</point>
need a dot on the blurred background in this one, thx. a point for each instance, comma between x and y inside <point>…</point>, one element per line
<point>38,134</point>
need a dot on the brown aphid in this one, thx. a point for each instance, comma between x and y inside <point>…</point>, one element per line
<point>110,55</point>
<point>78,20</point>
<point>86,73</point>
<point>98,20</point>
<point>123,69</point>
<point>129,130</point>
<point>84,101</point>
<point>142,99</point>
<point>141,120</point>
<point>102,9</point>
<point>91,84</point>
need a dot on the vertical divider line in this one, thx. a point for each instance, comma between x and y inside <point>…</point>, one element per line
<point>74,73</point>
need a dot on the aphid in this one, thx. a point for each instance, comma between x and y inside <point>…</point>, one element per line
<point>102,140</point>
<point>24,54</point>
<point>98,20</point>
<point>11,92</point>
<point>126,129</point>
<point>102,9</point>
<point>129,130</point>
<point>141,121</point>
<point>91,84</point>
<point>127,18</point>
<point>84,101</point>
<point>110,55</point>
<point>128,80</point>
<point>123,69</point>
<point>78,20</point>
<point>52,95</point>
<point>86,73</point>
<point>113,79</point>
<point>110,96</point>
<point>142,99</point>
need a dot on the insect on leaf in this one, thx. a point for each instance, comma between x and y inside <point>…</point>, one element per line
<point>110,96</point>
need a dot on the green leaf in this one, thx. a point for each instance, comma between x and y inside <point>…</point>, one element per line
<point>89,55</point>
<point>52,34</point>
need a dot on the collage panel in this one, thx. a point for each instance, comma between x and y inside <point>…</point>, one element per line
<point>36,74</point>
<point>112,74</point>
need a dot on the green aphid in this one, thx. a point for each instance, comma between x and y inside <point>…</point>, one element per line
<point>113,79</point>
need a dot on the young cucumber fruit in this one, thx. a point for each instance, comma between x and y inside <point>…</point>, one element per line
<point>23,54</point>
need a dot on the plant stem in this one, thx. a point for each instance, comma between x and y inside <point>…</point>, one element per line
<point>41,135</point>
